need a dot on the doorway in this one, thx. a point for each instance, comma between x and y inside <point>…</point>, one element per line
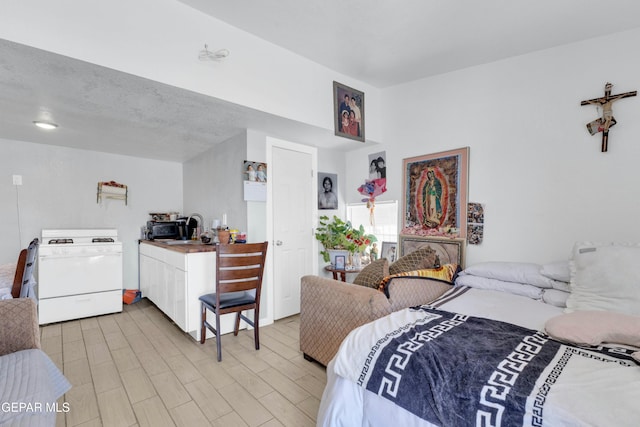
<point>290,217</point>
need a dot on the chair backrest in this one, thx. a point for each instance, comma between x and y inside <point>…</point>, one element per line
<point>240,267</point>
<point>24,269</point>
<point>17,279</point>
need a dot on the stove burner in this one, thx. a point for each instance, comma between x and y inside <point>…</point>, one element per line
<point>102,240</point>
<point>59,241</point>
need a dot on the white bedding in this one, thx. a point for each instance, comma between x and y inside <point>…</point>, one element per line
<point>7,273</point>
<point>30,384</point>
<point>344,403</point>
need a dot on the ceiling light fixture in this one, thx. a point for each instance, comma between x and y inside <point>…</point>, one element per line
<point>45,125</point>
<point>207,55</point>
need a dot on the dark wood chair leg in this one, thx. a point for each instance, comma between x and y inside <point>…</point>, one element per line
<point>256,328</point>
<point>218,343</point>
<point>237,327</point>
<point>203,318</point>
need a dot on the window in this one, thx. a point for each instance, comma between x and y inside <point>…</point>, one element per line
<point>386,219</point>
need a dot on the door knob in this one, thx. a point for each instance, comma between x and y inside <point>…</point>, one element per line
<point>278,242</point>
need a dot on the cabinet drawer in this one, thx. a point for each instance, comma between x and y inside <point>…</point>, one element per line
<point>174,258</point>
<point>151,251</point>
<point>79,306</point>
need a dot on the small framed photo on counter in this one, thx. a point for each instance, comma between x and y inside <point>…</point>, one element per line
<point>340,262</point>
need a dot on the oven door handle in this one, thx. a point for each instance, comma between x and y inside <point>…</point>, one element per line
<point>67,256</point>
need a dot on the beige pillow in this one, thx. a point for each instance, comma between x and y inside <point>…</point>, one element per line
<point>372,274</point>
<point>595,328</point>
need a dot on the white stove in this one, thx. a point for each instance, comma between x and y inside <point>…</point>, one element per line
<point>79,274</point>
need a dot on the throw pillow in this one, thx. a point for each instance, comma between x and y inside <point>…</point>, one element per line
<point>446,273</point>
<point>595,328</point>
<point>416,260</point>
<point>605,277</point>
<point>372,274</point>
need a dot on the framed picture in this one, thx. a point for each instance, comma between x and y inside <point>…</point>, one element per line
<point>348,112</point>
<point>340,262</point>
<point>389,250</point>
<point>445,250</point>
<point>254,171</point>
<point>435,194</point>
<point>378,165</point>
<point>327,190</point>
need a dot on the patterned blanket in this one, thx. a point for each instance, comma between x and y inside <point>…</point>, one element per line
<point>456,370</point>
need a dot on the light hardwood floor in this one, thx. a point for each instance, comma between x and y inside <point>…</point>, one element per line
<point>136,368</point>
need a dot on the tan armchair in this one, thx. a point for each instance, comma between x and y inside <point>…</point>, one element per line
<point>330,309</point>
<point>29,376</point>
<point>19,330</point>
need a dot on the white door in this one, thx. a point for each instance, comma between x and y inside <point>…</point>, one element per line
<point>293,189</point>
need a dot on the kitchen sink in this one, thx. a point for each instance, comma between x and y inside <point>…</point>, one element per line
<point>183,242</point>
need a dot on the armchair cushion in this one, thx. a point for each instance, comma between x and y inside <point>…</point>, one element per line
<point>372,274</point>
<point>416,260</point>
<point>413,291</point>
<point>446,273</point>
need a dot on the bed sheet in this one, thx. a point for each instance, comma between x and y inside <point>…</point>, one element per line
<point>346,404</point>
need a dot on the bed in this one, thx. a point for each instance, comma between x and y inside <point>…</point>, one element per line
<point>482,357</point>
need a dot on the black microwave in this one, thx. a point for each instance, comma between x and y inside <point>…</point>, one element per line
<point>166,230</point>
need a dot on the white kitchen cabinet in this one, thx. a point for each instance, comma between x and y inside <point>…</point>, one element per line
<point>174,280</point>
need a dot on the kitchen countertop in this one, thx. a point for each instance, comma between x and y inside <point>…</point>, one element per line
<point>185,248</point>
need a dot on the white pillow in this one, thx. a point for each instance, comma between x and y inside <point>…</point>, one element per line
<point>499,285</point>
<point>605,277</point>
<point>561,286</point>
<point>517,272</point>
<point>558,270</point>
<point>555,297</point>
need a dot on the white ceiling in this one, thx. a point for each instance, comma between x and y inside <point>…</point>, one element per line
<point>382,43</point>
<point>387,42</point>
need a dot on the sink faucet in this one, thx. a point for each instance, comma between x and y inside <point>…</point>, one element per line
<point>198,225</point>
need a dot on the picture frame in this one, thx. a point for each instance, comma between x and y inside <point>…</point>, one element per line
<point>340,262</point>
<point>377,165</point>
<point>446,250</point>
<point>351,100</point>
<point>327,195</point>
<point>254,171</point>
<point>389,250</point>
<point>435,194</point>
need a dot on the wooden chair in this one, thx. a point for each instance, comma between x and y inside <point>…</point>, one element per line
<point>239,272</point>
<point>24,269</point>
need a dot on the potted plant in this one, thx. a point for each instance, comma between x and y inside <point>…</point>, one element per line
<point>338,236</point>
<point>359,241</point>
<point>332,233</point>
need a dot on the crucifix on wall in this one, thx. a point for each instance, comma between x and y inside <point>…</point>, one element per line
<point>604,123</point>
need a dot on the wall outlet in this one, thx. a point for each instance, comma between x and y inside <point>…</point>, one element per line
<point>17,179</point>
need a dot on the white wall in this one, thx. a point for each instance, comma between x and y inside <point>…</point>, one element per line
<point>59,191</point>
<point>160,40</point>
<point>213,183</point>
<point>542,179</point>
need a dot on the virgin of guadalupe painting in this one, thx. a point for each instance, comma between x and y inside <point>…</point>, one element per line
<point>435,194</point>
